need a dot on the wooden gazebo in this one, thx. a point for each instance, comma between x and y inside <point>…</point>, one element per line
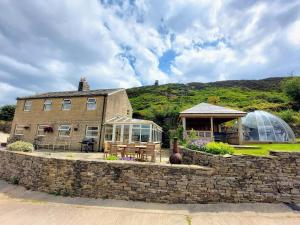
<point>206,120</point>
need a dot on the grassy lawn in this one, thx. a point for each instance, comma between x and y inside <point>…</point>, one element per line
<point>264,149</point>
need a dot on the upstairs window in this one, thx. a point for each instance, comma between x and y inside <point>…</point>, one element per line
<point>27,105</point>
<point>91,104</point>
<point>47,105</point>
<point>64,131</point>
<point>19,130</point>
<point>66,104</point>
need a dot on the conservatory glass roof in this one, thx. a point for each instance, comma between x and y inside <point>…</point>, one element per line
<point>263,126</point>
<point>128,120</point>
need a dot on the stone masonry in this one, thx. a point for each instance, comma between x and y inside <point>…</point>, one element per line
<point>151,182</point>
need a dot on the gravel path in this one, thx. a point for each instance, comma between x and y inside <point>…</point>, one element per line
<point>20,206</point>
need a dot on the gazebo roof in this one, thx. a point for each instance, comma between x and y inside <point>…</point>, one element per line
<point>209,109</point>
<point>128,120</point>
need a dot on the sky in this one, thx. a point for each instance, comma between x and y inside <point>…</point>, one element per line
<point>48,45</point>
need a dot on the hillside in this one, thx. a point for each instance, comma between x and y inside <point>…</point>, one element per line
<point>163,103</point>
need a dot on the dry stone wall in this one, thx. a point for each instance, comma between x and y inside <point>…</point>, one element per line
<point>150,182</point>
<point>273,178</point>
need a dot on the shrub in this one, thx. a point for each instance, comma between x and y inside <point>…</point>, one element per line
<point>112,157</point>
<point>292,89</point>
<point>15,180</point>
<point>288,116</point>
<point>213,100</point>
<point>20,146</point>
<point>219,148</point>
<point>198,145</point>
<point>5,126</point>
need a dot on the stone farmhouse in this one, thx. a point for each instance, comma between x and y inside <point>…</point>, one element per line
<point>65,118</point>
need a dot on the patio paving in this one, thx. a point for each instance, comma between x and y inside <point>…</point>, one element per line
<point>92,155</point>
<point>21,206</point>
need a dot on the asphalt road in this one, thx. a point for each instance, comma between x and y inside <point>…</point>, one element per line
<point>20,206</point>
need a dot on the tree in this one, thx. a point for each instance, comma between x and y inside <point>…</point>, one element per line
<point>7,112</point>
<point>291,87</point>
<point>213,100</point>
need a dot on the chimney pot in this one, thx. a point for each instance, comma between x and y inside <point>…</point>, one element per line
<point>83,85</point>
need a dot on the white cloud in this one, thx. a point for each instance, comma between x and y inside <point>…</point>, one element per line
<point>48,45</point>
<point>293,33</point>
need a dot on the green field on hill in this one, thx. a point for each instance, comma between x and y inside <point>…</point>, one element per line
<point>163,103</point>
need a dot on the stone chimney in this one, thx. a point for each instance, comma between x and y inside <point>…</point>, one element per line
<point>83,85</point>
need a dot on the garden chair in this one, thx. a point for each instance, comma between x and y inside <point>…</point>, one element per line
<point>114,149</point>
<point>149,151</point>
<point>130,150</point>
<point>107,148</point>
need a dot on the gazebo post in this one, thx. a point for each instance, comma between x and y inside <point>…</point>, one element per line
<point>212,128</point>
<point>184,127</point>
<point>240,130</point>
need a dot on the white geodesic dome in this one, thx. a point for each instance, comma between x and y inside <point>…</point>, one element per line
<point>265,127</point>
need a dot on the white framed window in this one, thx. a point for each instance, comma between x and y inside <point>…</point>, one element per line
<point>108,132</point>
<point>141,133</point>
<point>64,130</point>
<point>47,105</point>
<point>27,105</point>
<point>91,104</point>
<point>19,130</point>
<point>66,105</point>
<point>41,130</point>
<point>92,132</point>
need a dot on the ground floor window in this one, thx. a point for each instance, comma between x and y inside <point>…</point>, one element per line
<point>126,133</point>
<point>19,130</point>
<point>41,130</point>
<point>108,132</point>
<point>64,131</point>
<point>92,132</point>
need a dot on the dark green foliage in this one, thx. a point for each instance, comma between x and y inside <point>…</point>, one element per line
<point>5,126</point>
<point>291,87</point>
<point>7,112</point>
<point>288,116</point>
<point>15,180</point>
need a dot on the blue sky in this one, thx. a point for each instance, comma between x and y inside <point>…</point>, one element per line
<point>48,45</point>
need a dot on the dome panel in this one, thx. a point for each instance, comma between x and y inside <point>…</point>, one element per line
<point>265,127</point>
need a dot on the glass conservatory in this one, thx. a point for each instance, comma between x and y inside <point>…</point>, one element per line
<point>127,130</point>
<point>261,126</point>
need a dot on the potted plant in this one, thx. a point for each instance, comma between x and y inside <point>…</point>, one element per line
<point>48,129</point>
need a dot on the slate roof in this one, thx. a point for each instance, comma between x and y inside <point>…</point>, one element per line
<point>64,94</point>
<point>205,108</point>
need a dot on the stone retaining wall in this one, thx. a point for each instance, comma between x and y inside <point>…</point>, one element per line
<point>276,177</point>
<point>148,181</point>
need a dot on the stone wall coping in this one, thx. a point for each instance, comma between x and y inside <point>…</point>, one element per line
<point>204,169</point>
<point>273,154</point>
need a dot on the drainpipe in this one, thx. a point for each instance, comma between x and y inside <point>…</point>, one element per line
<point>102,122</point>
